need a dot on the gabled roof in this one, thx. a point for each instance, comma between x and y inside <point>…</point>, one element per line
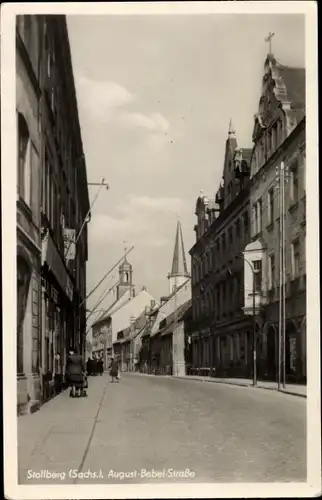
<point>115,306</point>
<point>178,298</point>
<point>294,79</point>
<point>133,308</point>
<point>179,264</point>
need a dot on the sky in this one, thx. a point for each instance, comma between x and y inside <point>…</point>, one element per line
<point>155,97</point>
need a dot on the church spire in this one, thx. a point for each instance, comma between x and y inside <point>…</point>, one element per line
<point>179,271</point>
<point>231,130</point>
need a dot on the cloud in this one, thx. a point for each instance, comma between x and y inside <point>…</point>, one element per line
<point>154,122</point>
<point>101,98</point>
<point>140,219</point>
<point>161,204</point>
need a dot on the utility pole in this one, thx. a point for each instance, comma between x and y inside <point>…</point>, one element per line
<point>282,178</point>
<point>280,308</point>
<point>284,272</point>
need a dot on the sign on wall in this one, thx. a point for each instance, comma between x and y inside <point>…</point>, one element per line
<point>69,236</point>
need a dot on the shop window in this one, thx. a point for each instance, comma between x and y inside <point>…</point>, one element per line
<point>23,283</point>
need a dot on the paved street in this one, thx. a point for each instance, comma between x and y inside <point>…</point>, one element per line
<point>221,433</point>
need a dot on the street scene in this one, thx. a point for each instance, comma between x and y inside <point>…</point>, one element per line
<point>161,249</point>
<point>148,428</point>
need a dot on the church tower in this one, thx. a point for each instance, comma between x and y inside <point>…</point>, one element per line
<point>125,280</point>
<point>179,271</point>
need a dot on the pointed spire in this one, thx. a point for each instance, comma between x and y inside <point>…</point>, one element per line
<point>179,264</point>
<point>231,130</point>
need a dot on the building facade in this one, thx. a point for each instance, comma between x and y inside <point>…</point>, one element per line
<point>60,191</point>
<point>29,152</point>
<point>220,332</point>
<point>279,143</point>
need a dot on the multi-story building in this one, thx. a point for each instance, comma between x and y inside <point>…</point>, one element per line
<point>220,332</point>
<point>279,143</point>
<point>59,191</point>
<point>29,152</point>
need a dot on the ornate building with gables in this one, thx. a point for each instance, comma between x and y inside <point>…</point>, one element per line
<point>277,193</point>
<point>220,332</point>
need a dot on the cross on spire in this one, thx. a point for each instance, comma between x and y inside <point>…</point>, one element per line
<point>268,39</point>
<point>125,246</point>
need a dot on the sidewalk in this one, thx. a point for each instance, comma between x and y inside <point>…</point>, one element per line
<point>292,389</point>
<point>61,420</point>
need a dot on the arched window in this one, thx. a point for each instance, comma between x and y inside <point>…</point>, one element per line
<point>126,277</point>
<point>24,160</point>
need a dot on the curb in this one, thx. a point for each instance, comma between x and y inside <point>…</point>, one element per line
<point>214,381</point>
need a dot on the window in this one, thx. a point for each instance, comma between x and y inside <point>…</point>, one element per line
<point>270,206</point>
<point>223,296</point>
<point>294,174</point>
<point>295,256</point>
<point>246,223</point>
<point>271,272</point>
<point>255,217</point>
<point>223,242</point>
<point>230,235</point>
<point>259,214</point>
<point>274,137</point>
<point>238,231</point>
<point>24,160</point>
<point>257,265</point>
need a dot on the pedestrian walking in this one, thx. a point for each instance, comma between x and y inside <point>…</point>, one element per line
<point>100,366</point>
<point>114,370</point>
<point>89,366</point>
<point>75,371</point>
<point>58,379</point>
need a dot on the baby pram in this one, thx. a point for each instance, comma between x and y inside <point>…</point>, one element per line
<point>83,391</point>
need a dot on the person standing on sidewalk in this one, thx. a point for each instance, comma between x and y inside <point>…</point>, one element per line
<point>114,369</point>
<point>75,370</point>
<point>58,374</point>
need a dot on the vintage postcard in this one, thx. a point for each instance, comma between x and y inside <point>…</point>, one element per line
<point>160,250</point>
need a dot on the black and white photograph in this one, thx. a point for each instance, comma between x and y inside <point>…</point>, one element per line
<point>160,297</point>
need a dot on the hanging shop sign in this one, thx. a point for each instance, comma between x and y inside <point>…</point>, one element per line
<point>69,236</point>
<point>56,266</point>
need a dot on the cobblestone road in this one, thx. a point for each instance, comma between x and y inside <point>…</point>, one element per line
<point>154,425</point>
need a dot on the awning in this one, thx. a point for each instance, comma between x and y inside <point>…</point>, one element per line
<point>56,265</point>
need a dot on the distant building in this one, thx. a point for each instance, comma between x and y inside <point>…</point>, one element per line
<point>118,316</point>
<point>220,332</point>
<point>167,337</point>
<point>279,139</point>
<point>52,203</point>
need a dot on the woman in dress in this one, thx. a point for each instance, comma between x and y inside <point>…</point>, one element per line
<point>75,370</point>
<point>114,369</point>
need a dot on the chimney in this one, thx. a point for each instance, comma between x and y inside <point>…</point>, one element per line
<point>143,288</point>
<point>152,304</point>
<point>163,300</point>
